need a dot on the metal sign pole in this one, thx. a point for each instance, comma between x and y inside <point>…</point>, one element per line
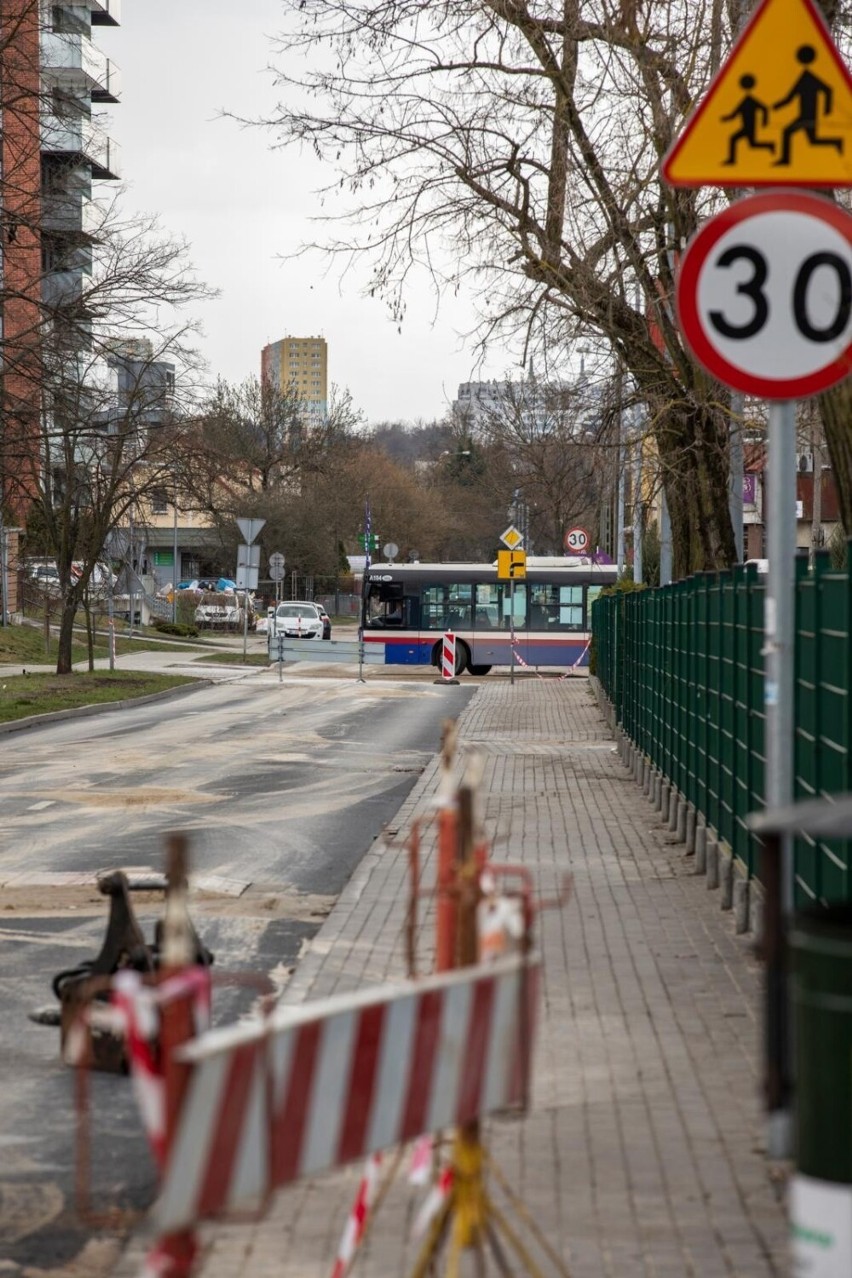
<point>779,698</point>
<point>4,571</point>
<point>780,622</point>
<point>512,633</point>
<point>362,620</point>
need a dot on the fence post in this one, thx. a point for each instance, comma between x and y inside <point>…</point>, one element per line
<point>173,1254</point>
<point>446,905</point>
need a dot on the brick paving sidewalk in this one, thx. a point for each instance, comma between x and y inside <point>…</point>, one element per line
<point>642,1152</point>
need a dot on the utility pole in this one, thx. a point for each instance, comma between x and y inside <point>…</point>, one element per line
<point>735,494</point>
<point>4,571</point>
<point>638,521</point>
<point>619,515</point>
<point>175,551</point>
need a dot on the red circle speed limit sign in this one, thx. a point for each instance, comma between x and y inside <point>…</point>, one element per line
<point>764,295</point>
<point>576,540</point>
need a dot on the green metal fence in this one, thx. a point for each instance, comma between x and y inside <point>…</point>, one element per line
<point>683,668</point>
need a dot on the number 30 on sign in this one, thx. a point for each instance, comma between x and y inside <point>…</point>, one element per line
<point>764,295</point>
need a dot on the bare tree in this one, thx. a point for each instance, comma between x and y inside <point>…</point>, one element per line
<point>114,362</point>
<point>548,432</point>
<point>255,449</point>
<point>514,145</point>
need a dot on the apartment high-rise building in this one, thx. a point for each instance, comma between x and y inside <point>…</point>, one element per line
<point>52,77</point>
<point>302,364</point>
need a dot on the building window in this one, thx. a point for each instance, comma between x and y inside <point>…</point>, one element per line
<point>159,502</point>
<point>65,105</point>
<point>65,21</point>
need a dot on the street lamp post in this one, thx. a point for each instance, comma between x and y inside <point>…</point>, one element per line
<point>4,571</point>
<point>175,553</point>
<point>130,608</point>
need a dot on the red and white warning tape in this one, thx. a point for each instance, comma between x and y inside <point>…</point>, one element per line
<point>577,662</point>
<point>419,1173</point>
<point>134,1012</point>
<point>357,1222</point>
<point>422,1158</point>
<point>526,665</point>
<point>433,1203</point>
<point>139,1006</point>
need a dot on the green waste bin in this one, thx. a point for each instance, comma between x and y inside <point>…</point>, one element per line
<point>821,1190</point>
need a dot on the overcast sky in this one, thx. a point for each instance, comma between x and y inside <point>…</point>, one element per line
<point>242,205</point>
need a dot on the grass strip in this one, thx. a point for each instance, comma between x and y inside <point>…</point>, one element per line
<point>234,658</point>
<point>24,695</point>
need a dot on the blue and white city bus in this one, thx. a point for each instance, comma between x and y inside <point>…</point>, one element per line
<point>409,607</point>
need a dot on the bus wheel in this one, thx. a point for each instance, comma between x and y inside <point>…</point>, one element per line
<point>462,656</point>
<point>479,670</point>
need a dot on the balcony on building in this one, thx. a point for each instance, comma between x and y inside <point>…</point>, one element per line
<point>62,288</point>
<point>82,139</point>
<point>66,197</point>
<point>67,320</point>
<point>75,62</point>
<point>105,13</point>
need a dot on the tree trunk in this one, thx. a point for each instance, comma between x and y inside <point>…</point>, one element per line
<point>694,458</point>
<point>90,631</point>
<point>66,634</point>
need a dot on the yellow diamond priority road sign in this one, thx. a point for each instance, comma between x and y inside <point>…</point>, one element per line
<point>778,113</point>
<point>512,538</point>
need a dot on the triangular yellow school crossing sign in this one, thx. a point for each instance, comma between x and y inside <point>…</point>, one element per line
<point>778,113</point>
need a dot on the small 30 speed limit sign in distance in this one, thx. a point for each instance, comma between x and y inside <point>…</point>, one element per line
<point>576,541</point>
<point>764,295</point>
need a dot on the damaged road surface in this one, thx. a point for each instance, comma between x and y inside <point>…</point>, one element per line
<point>281,789</point>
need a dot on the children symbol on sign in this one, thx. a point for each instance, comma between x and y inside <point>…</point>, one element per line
<point>753,113</point>
<point>808,90</point>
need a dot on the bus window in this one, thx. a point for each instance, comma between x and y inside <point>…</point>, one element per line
<point>520,606</point>
<point>544,607</point>
<point>434,607</point>
<point>570,607</point>
<point>486,613</point>
<point>387,607</point>
<point>447,606</point>
<point>554,607</point>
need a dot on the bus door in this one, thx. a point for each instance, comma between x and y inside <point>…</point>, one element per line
<point>512,602</point>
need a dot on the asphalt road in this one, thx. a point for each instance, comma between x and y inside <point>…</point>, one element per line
<point>281,789</point>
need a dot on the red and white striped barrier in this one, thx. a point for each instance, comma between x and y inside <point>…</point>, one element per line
<point>320,1085</point>
<point>448,656</point>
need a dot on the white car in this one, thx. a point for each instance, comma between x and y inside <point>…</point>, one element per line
<point>219,612</point>
<point>296,621</point>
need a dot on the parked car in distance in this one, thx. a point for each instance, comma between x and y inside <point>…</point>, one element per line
<point>298,620</point>
<point>326,621</point>
<point>45,574</point>
<point>219,611</point>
